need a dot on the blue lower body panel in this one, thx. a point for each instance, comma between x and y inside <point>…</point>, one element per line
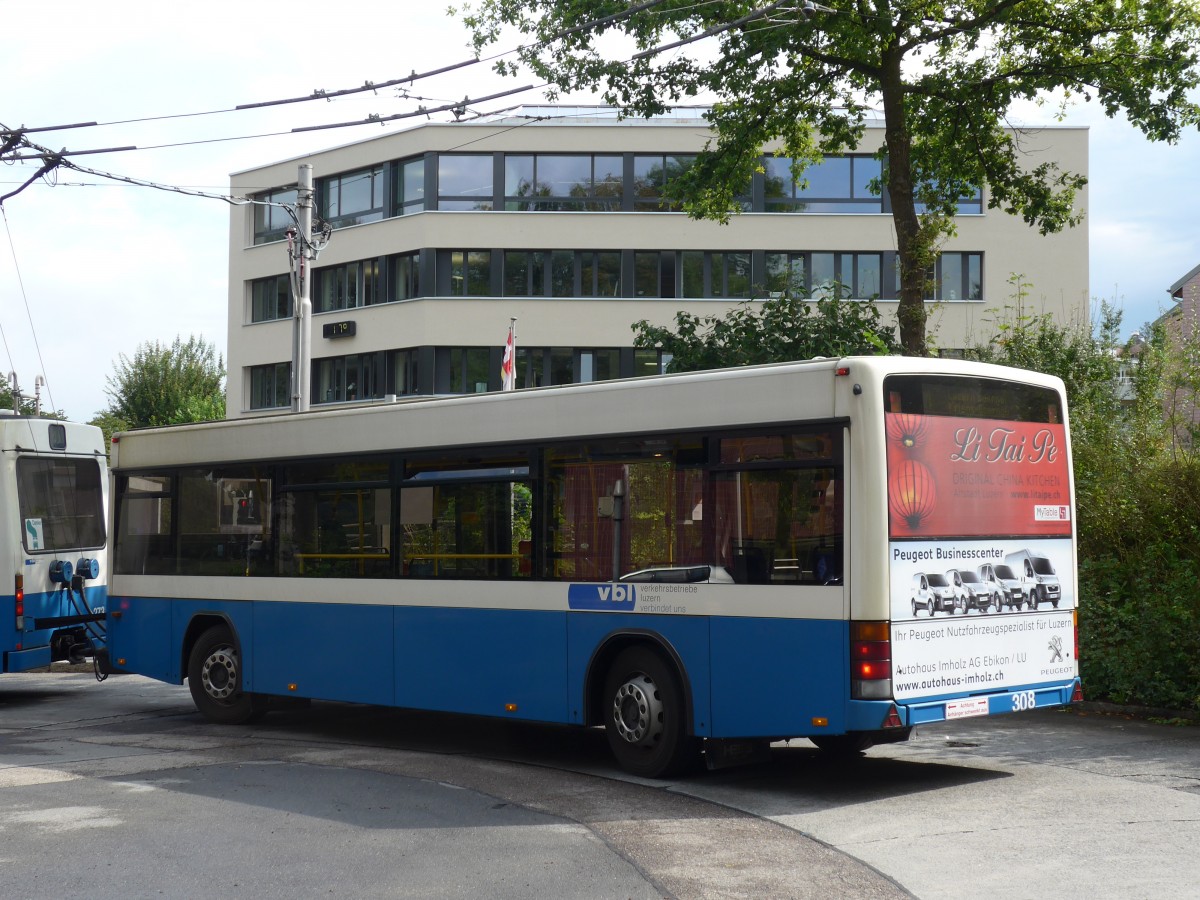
<point>774,677</point>
<point>24,660</point>
<point>30,647</point>
<point>1016,700</point>
<point>744,677</point>
<point>482,661</point>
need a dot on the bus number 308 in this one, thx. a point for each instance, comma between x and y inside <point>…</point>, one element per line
<point>1024,700</point>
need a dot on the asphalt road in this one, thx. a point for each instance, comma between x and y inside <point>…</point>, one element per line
<point>121,789</point>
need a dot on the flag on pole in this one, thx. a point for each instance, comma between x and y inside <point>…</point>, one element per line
<point>508,366</point>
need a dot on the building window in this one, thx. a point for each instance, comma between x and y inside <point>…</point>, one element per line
<point>653,273</point>
<point>955,277</point>
<point>270,386</point>
<point>352,198</point>
<point>539,273</point>
<point>960,276</point>
<point>406,276</point>
<point>405,365</point>
<point>786,275</point>
<point>271,298</point>
<point>600,273</point>
<point>465,181</point>
<point>462,370</point>
<point>544,181</point>
<point>272,222</point>
<point>815,275</point>
<point>839,184</point>
<point>651,174</point>
<point>530,367</point>
<point>410,186</point>
<point>342,379</point>
<point>544,366</point>
<point>968,204</point>
<point>347,287</point>
<point>599,365</point>
<point>464,273</point>
<point>650,362</point>
<point>971,204</point>
<point>708,274</point>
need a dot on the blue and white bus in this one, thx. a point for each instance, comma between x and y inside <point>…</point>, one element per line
<point>699,563</point>
<point>53,491</point>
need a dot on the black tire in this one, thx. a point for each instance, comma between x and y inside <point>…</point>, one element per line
<point>844,745</point>
<point>929,608</point>
<point>914,607</point>
<point>215,680</point>
<point>644,715</point>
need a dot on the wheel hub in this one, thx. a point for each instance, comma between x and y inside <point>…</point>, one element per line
<point>219,673</point>
<point>637,711</point>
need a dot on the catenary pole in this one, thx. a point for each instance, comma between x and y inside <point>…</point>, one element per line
<point>302,319</point>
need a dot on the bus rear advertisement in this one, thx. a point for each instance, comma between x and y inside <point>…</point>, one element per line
<point>701,564</point>
<point>978,507</point>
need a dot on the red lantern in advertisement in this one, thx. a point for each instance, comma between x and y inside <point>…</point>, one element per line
<point>912,493</point>
<point>905,431</point>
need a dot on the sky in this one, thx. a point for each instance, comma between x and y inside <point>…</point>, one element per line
<point>91,268</point>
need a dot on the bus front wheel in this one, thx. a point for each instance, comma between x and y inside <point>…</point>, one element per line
<point>644,715</point>
<point>215,679</point>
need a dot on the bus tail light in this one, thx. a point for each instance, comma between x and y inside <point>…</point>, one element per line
<point>870,661</point>
<point>19,598</point>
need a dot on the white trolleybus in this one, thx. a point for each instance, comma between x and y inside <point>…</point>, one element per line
<point>708,561</point>
<point>53,490</point>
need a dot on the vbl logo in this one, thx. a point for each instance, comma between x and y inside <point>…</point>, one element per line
<point>601,596</point>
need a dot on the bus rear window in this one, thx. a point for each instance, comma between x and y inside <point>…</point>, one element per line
<point>62,504</point>
<point>977,398</point>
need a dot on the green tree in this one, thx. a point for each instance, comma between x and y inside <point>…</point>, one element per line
<point>944,74</point>
<point>165,385</point>
<point>774,330</point>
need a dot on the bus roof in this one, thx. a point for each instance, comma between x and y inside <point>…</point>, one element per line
<point>33,434</point>
<point>729,398</point>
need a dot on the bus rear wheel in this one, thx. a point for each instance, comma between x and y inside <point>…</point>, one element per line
<point>644,716</point>
<point>215,680</point>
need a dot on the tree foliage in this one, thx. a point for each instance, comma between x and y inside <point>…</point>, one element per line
<point>945,75</point>
<point>773,330</point>
<point>165,385</point>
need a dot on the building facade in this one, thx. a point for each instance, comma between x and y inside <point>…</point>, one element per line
<point>1181,328</point>
<point>555,216</point>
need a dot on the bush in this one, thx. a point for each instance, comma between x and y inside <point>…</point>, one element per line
<point>1138,500</point>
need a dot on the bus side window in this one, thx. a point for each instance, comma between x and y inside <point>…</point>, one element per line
<point>779,525</point>
<point>144,522</point>
<point>466,518</point>
<point>662,522</point>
